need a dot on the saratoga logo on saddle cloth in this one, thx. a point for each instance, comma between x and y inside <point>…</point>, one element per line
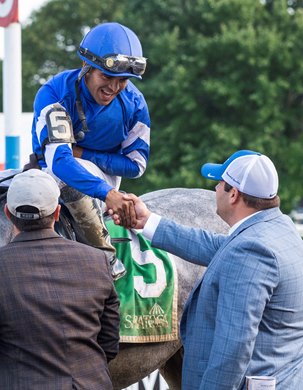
<point>148,291</point>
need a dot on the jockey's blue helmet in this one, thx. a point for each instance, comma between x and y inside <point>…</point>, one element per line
<point>114,49</point>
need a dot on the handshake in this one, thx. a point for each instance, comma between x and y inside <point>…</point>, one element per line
<point>127,210</point>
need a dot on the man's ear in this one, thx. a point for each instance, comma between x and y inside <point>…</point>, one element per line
<point>57,212</point>
<point>234,195</point>
<point>7,213</point>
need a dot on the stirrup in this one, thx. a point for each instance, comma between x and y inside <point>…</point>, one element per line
<point>118,269</point>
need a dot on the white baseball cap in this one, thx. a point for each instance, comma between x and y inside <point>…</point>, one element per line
<point>33,188</point>
<point>250,172</point>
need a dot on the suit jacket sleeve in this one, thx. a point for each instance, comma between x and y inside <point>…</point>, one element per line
<point>194,245</point>
<point>109,335</point>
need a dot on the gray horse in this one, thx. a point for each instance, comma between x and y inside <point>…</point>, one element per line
<point>192,207</point>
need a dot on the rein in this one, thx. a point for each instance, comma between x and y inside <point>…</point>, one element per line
<point>8,177</point>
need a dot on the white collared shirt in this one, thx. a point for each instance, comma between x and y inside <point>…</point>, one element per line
<point>237,224</point>
<point>151,226</point>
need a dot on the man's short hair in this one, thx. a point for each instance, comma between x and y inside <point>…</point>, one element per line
<point>254,202</point>
<point>26,225</point>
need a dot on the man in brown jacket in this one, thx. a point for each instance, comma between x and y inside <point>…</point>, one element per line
<point>59,311</point>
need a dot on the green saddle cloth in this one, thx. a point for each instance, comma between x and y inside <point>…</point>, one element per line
<point>148,291</point>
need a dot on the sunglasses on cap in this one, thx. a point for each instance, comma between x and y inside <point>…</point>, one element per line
<point>117,63</point>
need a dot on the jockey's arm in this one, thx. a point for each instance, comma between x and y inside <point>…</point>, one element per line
<point>77,176</point>
<point>113,163</point>
<point>58,155</point>
<point>131,162</point>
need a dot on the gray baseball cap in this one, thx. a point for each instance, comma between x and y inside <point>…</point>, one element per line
<point>33,188</point>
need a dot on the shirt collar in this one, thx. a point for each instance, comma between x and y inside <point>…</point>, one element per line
<point>33,235</point>
<point>236,225</point>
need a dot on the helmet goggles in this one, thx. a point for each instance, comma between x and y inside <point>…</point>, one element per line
<point>117,63</point>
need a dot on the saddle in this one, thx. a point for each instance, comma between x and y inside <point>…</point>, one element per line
<point>7,175</point>
<point>5,179</point>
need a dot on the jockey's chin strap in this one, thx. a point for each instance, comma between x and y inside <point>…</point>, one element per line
<point>81,134</point>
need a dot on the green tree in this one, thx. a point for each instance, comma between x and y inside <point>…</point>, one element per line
<point>230,77</point>
<point>222,75</point>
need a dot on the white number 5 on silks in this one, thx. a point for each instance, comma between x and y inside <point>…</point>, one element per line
<point>148,290</point>
<point>59,125</point>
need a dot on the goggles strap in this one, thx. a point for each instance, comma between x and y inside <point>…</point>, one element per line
<point>81,134</point>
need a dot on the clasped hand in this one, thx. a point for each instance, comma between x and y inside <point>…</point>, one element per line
<point>127,210</point>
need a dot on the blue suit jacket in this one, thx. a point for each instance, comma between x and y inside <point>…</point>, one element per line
<point>245,317</point>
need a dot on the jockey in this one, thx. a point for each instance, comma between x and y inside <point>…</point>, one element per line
<point>91,127</point>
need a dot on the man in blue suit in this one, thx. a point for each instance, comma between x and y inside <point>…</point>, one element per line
<point>245,316</point>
